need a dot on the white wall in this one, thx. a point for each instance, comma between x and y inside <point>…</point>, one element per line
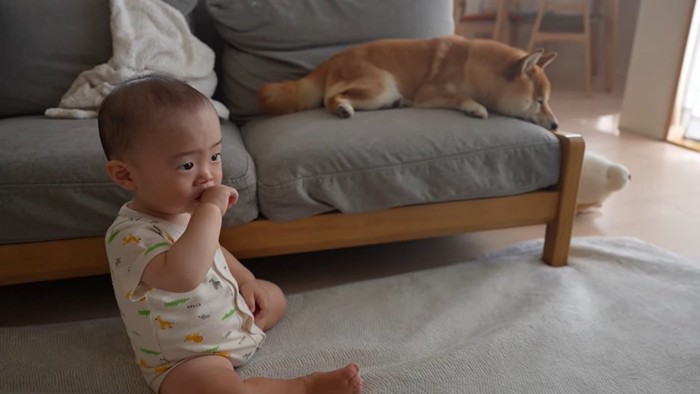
<point>654,66</point>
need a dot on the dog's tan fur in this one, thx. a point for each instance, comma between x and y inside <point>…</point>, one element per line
<point>472,76</point>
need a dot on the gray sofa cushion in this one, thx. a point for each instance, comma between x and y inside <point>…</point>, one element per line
<point>54,184</point>
<point>44,45</point>
<point>312,162</point>
<point>271,40</point>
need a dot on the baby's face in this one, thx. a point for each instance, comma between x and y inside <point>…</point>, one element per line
<point>176,162</point>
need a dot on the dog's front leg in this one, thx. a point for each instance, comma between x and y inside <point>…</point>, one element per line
<point>431,96</point>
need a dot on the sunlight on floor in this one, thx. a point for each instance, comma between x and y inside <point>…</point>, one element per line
<point>660,204</point>
<point>608,123</point>
<point>576,112</point>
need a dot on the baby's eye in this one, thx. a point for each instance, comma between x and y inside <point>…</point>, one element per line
<point>187,166</point>
<point>216,157</point>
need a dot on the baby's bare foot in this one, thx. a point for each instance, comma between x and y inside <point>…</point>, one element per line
<point>344,380</point>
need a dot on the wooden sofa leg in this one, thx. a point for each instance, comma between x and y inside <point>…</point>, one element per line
<point>558,235</point>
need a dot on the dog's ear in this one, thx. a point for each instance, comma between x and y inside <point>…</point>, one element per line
<point>528,62</point>
<point>546,59</point>
<point>524,65</point>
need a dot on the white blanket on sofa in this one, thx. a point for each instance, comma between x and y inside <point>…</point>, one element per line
<point>147,37</point>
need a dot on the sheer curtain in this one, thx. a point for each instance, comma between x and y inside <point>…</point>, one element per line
<point>690,101</point>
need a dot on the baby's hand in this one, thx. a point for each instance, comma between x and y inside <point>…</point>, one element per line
<point>220,195</point>
<point>255,297</point>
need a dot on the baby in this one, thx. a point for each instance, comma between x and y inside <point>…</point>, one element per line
<point>192,311</point>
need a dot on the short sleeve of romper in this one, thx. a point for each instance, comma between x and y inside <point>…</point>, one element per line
<point>132,242</point>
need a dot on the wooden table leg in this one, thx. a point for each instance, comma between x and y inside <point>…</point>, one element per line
<point>611,43</point>
<point>500,32</point>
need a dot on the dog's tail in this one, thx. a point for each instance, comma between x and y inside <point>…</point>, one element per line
<point>297,95</point>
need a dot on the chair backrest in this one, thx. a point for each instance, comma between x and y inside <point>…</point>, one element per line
<point>562,15</point>
<point>470,16</point>
<point>566,6</point>
<point>466,8</point>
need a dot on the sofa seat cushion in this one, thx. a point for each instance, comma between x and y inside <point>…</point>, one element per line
<point>53,182</point>
<point>313,162</point>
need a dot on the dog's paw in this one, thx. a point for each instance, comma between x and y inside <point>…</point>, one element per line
<point>475,109</point>
<point>345,110</point>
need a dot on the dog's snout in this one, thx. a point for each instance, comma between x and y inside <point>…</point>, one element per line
<point>554,126</point>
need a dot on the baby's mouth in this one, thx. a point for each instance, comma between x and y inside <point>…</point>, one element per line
<point>200,193</point>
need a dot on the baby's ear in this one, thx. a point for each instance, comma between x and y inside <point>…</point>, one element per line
<point>120,174</point>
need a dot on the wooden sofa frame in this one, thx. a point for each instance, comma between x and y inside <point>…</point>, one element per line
<point>39,261</point>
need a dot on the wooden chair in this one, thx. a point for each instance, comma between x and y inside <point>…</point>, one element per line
<point>571,22</point>
<point>491,20</point>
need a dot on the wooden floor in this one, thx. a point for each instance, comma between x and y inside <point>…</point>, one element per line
<point>660,206</point>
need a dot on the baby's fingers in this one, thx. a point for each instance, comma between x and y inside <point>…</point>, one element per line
<point>249,297</point>
<point>261,304</point>
<point>233,198</point>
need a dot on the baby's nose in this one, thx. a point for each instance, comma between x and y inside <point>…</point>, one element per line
<point>206,178</point>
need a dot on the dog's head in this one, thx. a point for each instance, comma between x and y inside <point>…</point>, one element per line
<point>527,91</point>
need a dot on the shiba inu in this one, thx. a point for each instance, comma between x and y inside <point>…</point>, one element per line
<point>472,76</point>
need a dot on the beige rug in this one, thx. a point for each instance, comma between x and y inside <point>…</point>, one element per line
<point>624,317</point>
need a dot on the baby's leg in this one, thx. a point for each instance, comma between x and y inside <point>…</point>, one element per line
<point>277,304</point>
<point>344,380</point>
<point>215,374</point>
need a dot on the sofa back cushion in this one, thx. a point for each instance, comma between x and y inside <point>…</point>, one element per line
<point>44,45</point>
<point>272,40</point>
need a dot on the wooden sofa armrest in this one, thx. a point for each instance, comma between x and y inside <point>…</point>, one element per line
<point>558,234</point>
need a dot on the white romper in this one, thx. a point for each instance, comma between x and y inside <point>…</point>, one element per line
<point>167,328</point>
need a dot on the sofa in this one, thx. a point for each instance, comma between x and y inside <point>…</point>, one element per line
<point>307,181</point>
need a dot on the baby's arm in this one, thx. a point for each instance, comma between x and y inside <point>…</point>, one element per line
<point>183,267</point>
<point>264,299</point>
<point>238,270</point>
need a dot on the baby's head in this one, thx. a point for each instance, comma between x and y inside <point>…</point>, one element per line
<point>162,139</point>
<point>139,106</point>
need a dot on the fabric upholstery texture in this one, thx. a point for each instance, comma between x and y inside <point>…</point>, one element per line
<point>50,43</point>
<point>272,40</point>
<point>54,184</point>
<point>313,162</point>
